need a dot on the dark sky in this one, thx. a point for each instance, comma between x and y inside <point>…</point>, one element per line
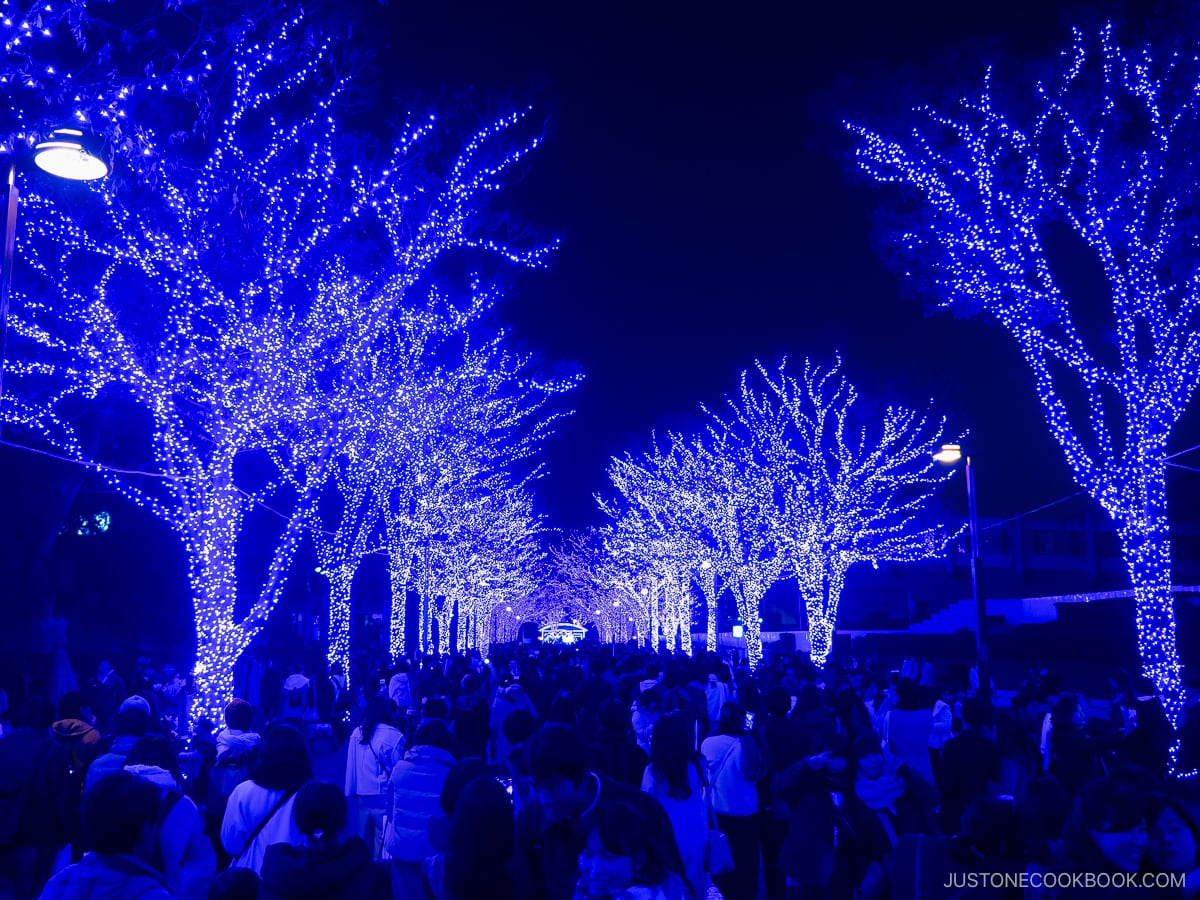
<point>696,169</point>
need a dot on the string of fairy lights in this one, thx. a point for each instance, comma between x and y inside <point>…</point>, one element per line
<point>1104,153</point>
<point>234,307</point>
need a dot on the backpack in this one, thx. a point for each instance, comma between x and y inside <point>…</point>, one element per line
<point>65,770</point>
<point>230,770</point>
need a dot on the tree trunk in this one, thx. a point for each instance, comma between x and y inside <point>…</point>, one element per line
<point>338,646</point>
<point>748,604</point>
<point>1146,544</point>
<point>685,615</point>
<point>398,614</point>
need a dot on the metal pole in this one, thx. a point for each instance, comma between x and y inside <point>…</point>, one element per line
<point>6,268</point>
<point>981,641</point>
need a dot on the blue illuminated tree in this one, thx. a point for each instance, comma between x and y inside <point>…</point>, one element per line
<point>850,486</point>
<point>1104,160</point>
<point>233,305</point>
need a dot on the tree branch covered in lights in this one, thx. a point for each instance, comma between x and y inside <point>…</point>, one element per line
<point>1104,162</point>
<point>238,307</point>
<point>848,490</point>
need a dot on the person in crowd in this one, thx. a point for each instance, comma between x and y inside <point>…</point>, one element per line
<point>469,722</point>
<point>908,727</point>
<point>808,855</point>
<point>1106,834</point>
<point>735,764</point>
<point>1148,731</point>
<point>1074,751</point>
<point>270,690</point>
<point>970,763</point>
<point>923,865</point>
<point>614,751</point>
<point>299,704</point>
<point>622,860</point>
<point>400,689</point>
<point>1174,839</point>
<point>234,884</point>
<point>77,743</point>
<point>510,698</point>
<point>477,859</point>
<point>886,800</point>
<point>132,721</point>
<point>645,712</point>
<point>28,827</point>
<point>414,791</point>
<point>462,773</point>
<point>322,865</point>
<point>1042,811</point>
<point>564,790</point>
<point>118,824</point>
<point>716,694</point>
<point>675,778</point>
<point>374,749</point>
<point>238,736</point>
<point>181,850</point>
<point>259,811</point>
<point>105,694</point>
<point>814,728</point>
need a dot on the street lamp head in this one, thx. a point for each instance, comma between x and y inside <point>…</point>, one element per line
<point>949,454</point>
<point>69,153</point>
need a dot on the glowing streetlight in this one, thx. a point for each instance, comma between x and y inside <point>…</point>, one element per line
<point>951,454</point>
<point>68,153</point>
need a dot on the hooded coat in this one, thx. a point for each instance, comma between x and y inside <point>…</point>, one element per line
<point>99,876</point>
<point>343,871</point>
<point>188,858</point>
<point>416,791</point>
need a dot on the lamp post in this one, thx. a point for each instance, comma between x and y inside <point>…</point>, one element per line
<point>949,455</point>
<point>68,153</point>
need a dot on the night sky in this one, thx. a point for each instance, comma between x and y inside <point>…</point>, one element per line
<point>697,170</point>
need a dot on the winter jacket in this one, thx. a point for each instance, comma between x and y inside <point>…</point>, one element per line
<point>415,794</point>
<point>369,766</point>
<point>112,761</point>
<point>716,695</point>
<point>188,858</point>
<point>99,876</point>
<point>230,740</point>
<point>400,690</point>
<point>249,804</point>
<point>344,872</point>
<point>507,701</point>
<point>734,765</point>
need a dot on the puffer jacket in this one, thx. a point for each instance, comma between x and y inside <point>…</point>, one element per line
<point>332,873</point>
<point>99,876</point>
<point>415,792</point>
<point>189,860</point>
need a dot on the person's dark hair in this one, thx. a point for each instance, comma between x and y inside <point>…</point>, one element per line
<point>132,721</point>
<point>154,750</point>
<point>974,712</point>
<point>989,824</point>
<point>320,810</point>
<point>518,726</point>
<point>461,774</point>
<point>435,708</point>
<point>672,753</point>
<point>116,810</point>
<point>432,733</point>
<point>1063,714</point>
<point>652,670</point>
<point>867,745</point>
<point>908,695</point>
<point>558,750</point>
<point>623,831</point>
<point>779,702</point>
<point>613,716</point>
<point>239,715</point>
<point>479,861</point>
<point>234,884</point>
<point>1102,805</point>
<point>72,704</point>
<point>378,712</point>
<point>732,720</point>
<point>283,763</point>
<point>808,697</point>
<point>1157,804</point>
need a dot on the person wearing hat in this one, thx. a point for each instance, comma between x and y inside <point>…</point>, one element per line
<point>132,721</point>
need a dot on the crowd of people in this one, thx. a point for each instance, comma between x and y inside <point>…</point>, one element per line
<point>599,773</point>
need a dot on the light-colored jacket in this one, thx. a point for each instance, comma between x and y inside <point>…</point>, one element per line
<point>416,791</point>
<point>189,860</point>
<point>369,766</point>
<point>248,805</point>
<point>732,792</point>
